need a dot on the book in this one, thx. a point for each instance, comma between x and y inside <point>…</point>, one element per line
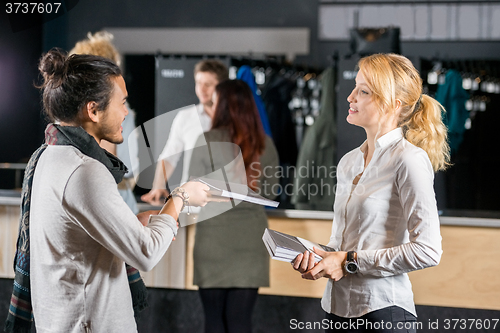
<point>286,247</point>
<point>219,188</point>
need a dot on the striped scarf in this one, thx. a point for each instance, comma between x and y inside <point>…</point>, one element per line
<point>20,316</point>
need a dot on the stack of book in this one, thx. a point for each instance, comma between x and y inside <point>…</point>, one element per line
<point>285,247</point>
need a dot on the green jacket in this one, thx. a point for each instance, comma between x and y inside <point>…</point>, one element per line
<point>315,178</point>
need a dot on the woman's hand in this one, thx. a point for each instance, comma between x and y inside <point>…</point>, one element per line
<point>144,216</point>
<point>154,197</point>
<point>303,262</point>
<point>331,266</point>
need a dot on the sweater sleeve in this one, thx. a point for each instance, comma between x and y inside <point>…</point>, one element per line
<point>94,203</point>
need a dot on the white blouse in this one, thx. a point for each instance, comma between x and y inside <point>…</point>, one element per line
<point>390,218</point>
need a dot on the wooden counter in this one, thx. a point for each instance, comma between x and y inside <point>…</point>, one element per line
<point>467,277</point>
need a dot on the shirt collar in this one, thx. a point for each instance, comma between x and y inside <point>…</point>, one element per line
<point>199,108</point>
<point>386,139</point>
<point>390,137</point>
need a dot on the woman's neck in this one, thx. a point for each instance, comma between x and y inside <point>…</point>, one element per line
<point>371,138</point>
<point>368,152</point>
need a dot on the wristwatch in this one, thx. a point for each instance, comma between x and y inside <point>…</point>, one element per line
<point>181,193</point>
<point>351,265</point>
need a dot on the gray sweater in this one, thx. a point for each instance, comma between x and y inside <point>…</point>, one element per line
<point>81,233</point>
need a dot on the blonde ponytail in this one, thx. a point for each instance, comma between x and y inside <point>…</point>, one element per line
<point>424,128</point>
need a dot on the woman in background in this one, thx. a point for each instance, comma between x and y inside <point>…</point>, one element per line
<point>230,259</point>
<point>386,221</point>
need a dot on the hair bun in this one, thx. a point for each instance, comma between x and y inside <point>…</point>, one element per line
<point>53,67</point>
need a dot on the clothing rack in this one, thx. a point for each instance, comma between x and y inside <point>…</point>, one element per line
<point>292,97</point>
<point>466,185</point>
<point>480,78</point>
<point>304,100</point>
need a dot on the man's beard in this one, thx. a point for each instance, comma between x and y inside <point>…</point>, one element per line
<point>107,135</point>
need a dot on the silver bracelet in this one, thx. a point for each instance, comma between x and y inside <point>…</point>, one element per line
<point>181,193</point>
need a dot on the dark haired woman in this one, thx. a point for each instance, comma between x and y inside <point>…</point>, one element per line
<point>230,259</point>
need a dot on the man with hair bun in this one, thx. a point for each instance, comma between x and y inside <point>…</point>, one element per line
<point>76,232</point>
<point>100,44</point>
<point>386,221</point>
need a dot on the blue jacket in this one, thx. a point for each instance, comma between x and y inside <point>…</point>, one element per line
<point>245,74</point>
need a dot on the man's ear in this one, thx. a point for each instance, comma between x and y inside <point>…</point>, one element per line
<point>90,111</point>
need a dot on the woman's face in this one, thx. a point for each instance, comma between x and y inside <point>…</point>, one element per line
<point>363,111</point>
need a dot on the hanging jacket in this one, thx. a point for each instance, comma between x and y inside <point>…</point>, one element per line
<point>316,168</point>
<point>453,96</point>
<point>245,74</point>
<point>276,95</point>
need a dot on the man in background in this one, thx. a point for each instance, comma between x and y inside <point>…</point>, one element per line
<point>185,129</point>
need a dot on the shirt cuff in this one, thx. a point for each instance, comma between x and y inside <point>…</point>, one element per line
<point>167,219</point>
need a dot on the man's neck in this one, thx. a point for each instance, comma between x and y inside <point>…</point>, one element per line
<point>209,110</point>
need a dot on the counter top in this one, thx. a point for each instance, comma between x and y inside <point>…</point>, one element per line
<point>10,197</point>
<point>464,221</point>
<point>450,217</point>
<point>323,215</point>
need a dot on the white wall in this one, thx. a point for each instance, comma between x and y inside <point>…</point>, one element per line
<point>247,41</point>
<point>418,22</point>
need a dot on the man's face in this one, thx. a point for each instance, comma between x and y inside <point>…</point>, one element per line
<point>109,127</point>
<point>205,83</point>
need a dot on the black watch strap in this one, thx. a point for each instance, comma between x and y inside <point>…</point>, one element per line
<point>350,256</point>
<point>351,264</point>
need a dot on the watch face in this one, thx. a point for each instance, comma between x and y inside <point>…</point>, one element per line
<point>352,267</point>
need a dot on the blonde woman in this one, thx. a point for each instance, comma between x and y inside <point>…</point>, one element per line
<point>386,220</point>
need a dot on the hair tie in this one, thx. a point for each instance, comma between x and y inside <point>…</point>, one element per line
<point>417,105</point>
